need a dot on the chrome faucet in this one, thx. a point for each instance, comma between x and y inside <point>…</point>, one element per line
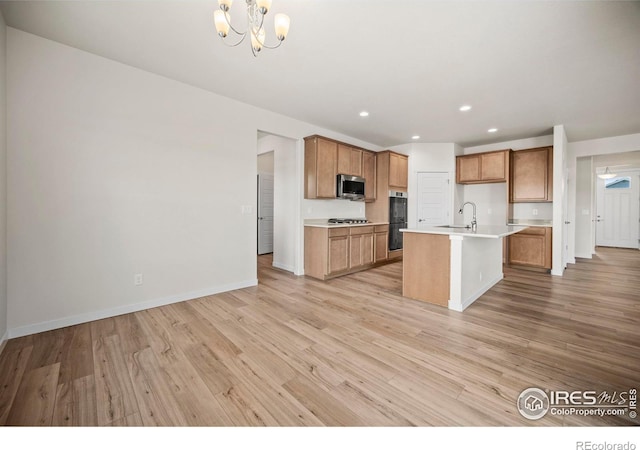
<point>474,224</point>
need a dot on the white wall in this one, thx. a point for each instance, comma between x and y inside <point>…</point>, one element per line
<point>115,171</point>
<point>560,200</point>
<point>265,162</point>
<point>3,186</point>
<point>583,208</point>
<point>427,158</point>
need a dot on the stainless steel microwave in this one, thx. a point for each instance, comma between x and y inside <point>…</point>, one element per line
<point>350,187</point>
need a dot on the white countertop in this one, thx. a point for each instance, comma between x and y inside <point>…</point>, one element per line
<point>483,231</point>
<point>531,222</point>
<point>322,223</point>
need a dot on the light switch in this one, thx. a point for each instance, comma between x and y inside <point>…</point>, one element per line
<point>585,212</point>
<point>247,209</point>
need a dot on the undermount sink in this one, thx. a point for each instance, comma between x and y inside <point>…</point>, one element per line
<point>454,226</point>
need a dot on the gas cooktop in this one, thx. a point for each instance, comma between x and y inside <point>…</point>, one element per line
<point>348,221</point>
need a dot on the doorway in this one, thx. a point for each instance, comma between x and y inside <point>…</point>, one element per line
<point>617,211</point>
<point>433,199</point>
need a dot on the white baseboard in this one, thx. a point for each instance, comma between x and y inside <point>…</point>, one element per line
<point>3,341</point>
<point>286,267</point>
<point>475,296</point>
<point>584,255</point>
<point>125,309</point>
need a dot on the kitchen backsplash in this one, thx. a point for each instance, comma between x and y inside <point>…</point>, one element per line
<point>539,211</point>
<point>325,209</point>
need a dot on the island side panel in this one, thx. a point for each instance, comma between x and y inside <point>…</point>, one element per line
<point>426,267</point>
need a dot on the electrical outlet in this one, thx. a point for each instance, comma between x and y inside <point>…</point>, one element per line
<point>534,212</point>
<point>585,212</point>
<point>137,279</point>
<point>247,209</point>
<point>489,211</point>
<point>480,276</point>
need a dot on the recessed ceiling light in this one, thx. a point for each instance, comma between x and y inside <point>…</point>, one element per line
<point>492,130</point>
<point>415,137</point>
<point>364,114</point>
<point>465,108</point>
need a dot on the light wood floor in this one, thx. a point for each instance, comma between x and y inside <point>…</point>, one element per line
<point>351,351</point>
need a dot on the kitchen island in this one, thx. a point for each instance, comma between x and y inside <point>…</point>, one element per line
<point>452,266</point>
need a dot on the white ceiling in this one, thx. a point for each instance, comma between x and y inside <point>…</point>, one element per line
<point>523,66</point>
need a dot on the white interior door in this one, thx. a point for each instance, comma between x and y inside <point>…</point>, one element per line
<point>433,199</point>
<point>265,213</point>
<point>617,209</point>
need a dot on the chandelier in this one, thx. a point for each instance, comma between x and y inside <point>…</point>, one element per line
<point>256,10</point>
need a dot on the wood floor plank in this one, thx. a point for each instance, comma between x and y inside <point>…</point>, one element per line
<point>76,359</point>
<point>115,398</point>
<point>37,394</point>
<point>322,404</point>
<point>14,364</point>
<point>76,403</point>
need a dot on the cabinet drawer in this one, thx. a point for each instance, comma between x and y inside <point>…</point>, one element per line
<point>342,231</point>
<point>361,230</point>
<point>381,228</point>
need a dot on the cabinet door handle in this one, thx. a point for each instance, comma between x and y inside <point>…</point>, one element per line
<point>566,222</point>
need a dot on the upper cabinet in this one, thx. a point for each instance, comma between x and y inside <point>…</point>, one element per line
<point>320,167</point>
<point>349,160</point>
<point>369,175</point>
<point>531,175</point>
<point>489,167</point>
<point>398,171</point>
<point>325,158</point>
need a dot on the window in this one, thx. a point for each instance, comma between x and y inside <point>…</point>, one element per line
<point>618,183</point>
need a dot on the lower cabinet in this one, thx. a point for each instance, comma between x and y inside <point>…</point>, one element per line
<point>338,251</point>
<point>330,252</point>
<point>531,247</point>
<point>361,247</point>
<point>381,243</point>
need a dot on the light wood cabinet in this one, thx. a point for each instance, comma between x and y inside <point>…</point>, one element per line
<point>381,243</point>
<point>488,167</point>
<point>338,251</point>
<point>349,160</point>
<point>391,174</point>
<point>531,175</point>
<point>332,252</point>
<point>361,246</point>
<point>325,158</point>
<point>369,175</point>
<point>398,171</point>
<point>531,247</point>
<point>320,167</point>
